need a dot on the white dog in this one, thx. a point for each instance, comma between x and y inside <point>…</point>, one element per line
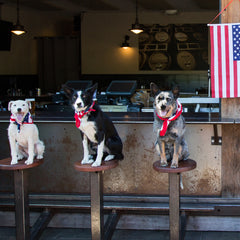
<point>23,134</point>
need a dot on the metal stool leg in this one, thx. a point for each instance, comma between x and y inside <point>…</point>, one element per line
<point>97,221</point>
<point>174,192</point>
<point>21,205</point>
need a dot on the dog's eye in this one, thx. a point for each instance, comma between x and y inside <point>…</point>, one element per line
<point>169,99</point>
<point>160,98</point>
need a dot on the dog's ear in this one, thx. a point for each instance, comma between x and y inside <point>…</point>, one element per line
<point>29,105</point>
<point>175,91</point>
<point>93,90</point>
<point>154,89</point>
<point>10,105</point>
<point>67,90</point>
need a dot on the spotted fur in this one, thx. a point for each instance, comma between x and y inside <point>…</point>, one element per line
<point>172,146</point>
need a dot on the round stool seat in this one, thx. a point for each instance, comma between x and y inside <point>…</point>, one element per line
<point>183,166</point>
<point>88,168</point>
<point>5,164</point>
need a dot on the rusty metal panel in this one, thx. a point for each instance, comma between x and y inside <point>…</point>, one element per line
<point>134,175</point>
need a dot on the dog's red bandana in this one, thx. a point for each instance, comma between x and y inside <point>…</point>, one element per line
<point>27,120</point>
<point>166,121</point>
<point>79,115</point>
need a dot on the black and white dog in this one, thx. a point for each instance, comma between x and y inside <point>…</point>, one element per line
<point>95,127</point>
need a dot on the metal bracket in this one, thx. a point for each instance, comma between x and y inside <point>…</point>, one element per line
<point>216,140</point>
<point>41,224</point>
<point>111,224</point>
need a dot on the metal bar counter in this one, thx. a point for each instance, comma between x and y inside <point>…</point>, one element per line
<point>124,117</point>
<point>64,147</point>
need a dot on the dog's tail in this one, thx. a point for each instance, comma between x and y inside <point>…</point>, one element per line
<point>39,148</point>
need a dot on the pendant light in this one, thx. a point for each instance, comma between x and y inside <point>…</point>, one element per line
<point>136,27</point>
<point>18,29</point>
<point>125,44</point>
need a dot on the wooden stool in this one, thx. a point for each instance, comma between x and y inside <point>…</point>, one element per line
<point>174,192</point>
<point>97,221</point>
<point>21,194</point>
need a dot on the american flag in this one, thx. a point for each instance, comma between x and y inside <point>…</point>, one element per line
<point>225,60</point>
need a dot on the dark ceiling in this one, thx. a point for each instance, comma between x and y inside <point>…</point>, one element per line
<point>73,7</point>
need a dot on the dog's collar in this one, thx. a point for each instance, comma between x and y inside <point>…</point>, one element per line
<point>79,115</point>
<point>27,120</point>
<point>166,121</point>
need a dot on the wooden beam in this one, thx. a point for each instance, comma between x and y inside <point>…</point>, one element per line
<point>230,108</point>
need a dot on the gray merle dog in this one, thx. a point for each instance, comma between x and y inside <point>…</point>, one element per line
<point>169,126</point>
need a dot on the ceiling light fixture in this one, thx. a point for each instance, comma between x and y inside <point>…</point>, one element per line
<point>125,44</point>
<point>136,27</point>
<point>18,29</point>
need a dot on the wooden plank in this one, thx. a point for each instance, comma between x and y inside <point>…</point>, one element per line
<point>231,15</point>
<point>174,205</point>
<point>231,133</point>
<point>230,160</point>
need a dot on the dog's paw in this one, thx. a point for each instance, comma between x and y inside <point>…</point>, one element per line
<point>96,164</point>
<point>163,164</point>
<point>174,165</point>
<point>20,157</point>
<point>14,161</point>
<point>29,161</point>
<point>39,156</point>
<point>109,157</point>
<point>87,161</point>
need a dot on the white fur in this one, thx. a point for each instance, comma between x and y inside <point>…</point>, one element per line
<point>86,157</point>
<point>23,143</point>
<point>98,160</point>
<point>89,130</point>
<point>79,100</point>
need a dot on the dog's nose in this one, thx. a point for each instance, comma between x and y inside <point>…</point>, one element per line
<point>163,107</point>
<point>79,105</point>
<point>19,109</point>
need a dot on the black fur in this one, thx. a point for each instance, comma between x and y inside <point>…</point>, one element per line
<point>103,126</point>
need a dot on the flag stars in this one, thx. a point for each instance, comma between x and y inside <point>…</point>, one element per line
<point>236,42</point>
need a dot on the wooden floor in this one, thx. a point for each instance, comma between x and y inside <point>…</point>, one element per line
<point>7,233</point>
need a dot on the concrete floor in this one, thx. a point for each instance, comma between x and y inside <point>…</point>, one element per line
<point>7,233</point>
